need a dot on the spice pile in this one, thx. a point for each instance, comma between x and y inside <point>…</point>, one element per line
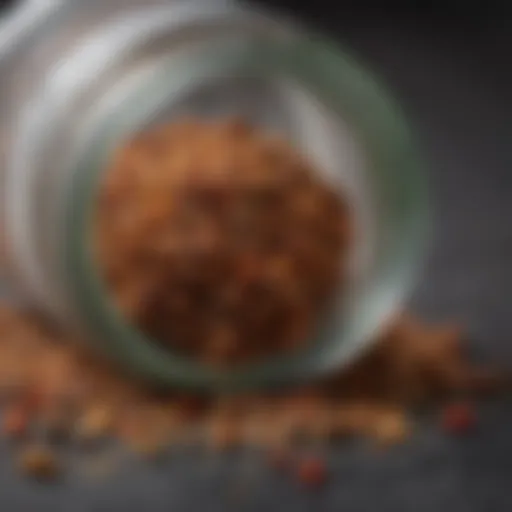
<point>223,243</point>
<point>54,392</point>
<point>219,240</point>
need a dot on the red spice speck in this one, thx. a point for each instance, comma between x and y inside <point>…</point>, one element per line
<point>15,422</point>
<point>459,418</point>
<point>311,472</point>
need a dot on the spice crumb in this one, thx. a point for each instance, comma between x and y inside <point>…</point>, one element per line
<point>459,418</point>
<point>15,422</point>
<point>391,428</point>
<point>39,462</point>
<point>95,423</point>
<point>311,472</point>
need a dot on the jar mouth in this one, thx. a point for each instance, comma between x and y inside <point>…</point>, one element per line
<point>350,94</point>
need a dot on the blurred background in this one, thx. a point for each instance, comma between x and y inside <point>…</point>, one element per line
<point>449,64</point>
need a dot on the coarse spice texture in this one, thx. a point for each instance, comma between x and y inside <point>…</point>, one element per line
<point>55,391</point>
<point>219,240</point>
<point>222,243</point>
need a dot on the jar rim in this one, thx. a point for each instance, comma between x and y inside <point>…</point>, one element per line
<point>350,92</point>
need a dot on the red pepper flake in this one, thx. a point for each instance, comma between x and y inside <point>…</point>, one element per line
<point>15,422</point>
<point>311,472</point>
<point>459,418</point>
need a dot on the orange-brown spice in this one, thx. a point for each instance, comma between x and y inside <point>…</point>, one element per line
<point>219,240</point>
<point>312,472</point>
<point>371,399</point>
<point>192,257</point>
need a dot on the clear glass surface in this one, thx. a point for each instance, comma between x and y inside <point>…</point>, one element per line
<point>336,112</point>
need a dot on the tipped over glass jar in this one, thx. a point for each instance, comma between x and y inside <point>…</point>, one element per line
<point>77,79</point>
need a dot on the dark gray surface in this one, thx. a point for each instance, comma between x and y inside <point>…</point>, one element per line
<point>455,88</point>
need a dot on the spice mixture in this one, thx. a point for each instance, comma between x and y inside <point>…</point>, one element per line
<point>219,240</point>
<point>55,392</point>
<point>223,243</point>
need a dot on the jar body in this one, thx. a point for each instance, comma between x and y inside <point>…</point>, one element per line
<point>84,80</point>
<point>41,50</point>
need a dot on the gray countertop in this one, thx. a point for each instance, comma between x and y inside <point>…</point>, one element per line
<point>455,87</point>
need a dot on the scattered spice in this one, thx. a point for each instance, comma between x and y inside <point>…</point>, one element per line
<point>15,422</point>
<point>459,418</point>
<point>355,402</point>
<point>222,243</point>
<point>95,423</point>
<point>311,472</point>
<point>218,241</point>
<point>39,462</point>
<point>391,428</point>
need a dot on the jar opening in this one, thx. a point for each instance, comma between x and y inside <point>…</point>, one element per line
<point>342,89</point>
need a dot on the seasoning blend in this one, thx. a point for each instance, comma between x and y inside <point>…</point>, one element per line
<point>220,241</point>
<point>316,193</point>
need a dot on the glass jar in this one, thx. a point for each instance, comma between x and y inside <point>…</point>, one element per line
<point>76,79</point>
